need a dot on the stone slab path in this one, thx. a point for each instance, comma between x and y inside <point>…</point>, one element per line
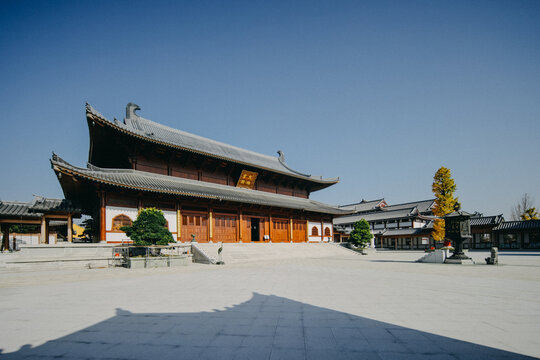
<point>344,306</point>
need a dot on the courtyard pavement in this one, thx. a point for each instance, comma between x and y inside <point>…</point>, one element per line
<point>381,306</point>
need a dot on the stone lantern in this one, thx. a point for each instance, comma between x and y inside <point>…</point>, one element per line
<point>458,229</point>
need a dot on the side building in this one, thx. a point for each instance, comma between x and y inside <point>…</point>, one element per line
<point>400,226</point>
<point>409,226</point>
<point>206,189</point>
<point>41,221</point>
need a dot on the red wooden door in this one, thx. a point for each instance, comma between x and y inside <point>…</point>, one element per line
<point>279,230</point>
<point>197,224</point>
<point>225,228</point>
<point>299,231</point>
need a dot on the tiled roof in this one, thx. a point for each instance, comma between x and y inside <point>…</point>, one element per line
<point>377,216</point>
<point>405,232</point>
<point>140,180</point>
<point>423,206</point>
<point>362,206</point>
<point>139,127</point>
<point>519,225</point>
<point>486,220</point>
<point>36,207</point>
<point>17,209</point>
<point>41,204</point>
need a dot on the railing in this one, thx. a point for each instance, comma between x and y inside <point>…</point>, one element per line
<point>153,255</point>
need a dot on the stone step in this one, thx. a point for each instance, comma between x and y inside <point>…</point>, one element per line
<point>249,252</point>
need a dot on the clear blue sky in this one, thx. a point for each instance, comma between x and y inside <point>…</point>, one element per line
<point>378,93</point>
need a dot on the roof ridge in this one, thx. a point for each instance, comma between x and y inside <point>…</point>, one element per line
<point>362,202</point>
<point>412,202</point>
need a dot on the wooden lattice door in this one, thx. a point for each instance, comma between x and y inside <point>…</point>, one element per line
<point>225,228</point>
<point>279,230</point>
<point>197,224</point>
<point>299,231</point>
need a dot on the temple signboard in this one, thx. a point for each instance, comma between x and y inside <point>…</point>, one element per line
<point>247,180</point>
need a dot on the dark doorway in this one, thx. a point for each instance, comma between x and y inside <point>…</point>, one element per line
<point>255,234</point>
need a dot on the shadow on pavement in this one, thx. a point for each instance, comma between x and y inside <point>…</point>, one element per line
<point>264,327</point>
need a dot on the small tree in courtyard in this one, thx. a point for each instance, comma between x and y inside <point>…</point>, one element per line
<point>149,228</point>
<point>361,235</point>
<point>443,188</point>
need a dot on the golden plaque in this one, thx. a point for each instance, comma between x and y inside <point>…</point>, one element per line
<point>247,179</point>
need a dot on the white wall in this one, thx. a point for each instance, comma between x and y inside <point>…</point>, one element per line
<point>328,225</point>
<point>113,211</point>
<point>117,237</point>
<point>318,226</point>
<point>170,216</point>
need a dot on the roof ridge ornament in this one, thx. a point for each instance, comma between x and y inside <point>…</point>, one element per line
<point>130,110</point>
<point>281,156</point>
<point>282,162</point>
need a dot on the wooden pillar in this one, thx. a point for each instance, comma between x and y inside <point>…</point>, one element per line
<point>210,225</point>
<point>381,242</point>
<point>307,230</point>
<point>103,219</point>
<point>5,240</point>
<point>240,225</point>
<point>178,223</point>
<point>270,225</point>
<point>322,230</point>
<point>290,230</point>
<point>43,233</point>
<point>70,228</point>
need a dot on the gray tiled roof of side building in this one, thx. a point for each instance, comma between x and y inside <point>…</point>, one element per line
<point>376,216</point>
<point>519,225</point>
<point>17,209</point>
<point>486,220</point>
<point>423,206</point>
<point>152,131</point>
<point>362,206</point>
<point>404,232</point>
<point>145,181</point>
<point>42,204</point>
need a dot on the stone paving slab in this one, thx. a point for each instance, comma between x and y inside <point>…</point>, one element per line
<point>343,307</point>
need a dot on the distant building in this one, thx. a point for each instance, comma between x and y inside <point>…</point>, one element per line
<point>44,221</point>
<point>517,235</point>
<point>409,226</point>
<point>400,226</point>
<point>483,231</point>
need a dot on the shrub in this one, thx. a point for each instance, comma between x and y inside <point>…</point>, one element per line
<point>149,228</point>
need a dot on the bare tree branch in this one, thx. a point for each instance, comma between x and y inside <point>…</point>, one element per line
<point>522,206</point>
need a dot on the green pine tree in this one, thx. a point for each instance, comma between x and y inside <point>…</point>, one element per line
<point>149,228</point>
<point>361,234</point>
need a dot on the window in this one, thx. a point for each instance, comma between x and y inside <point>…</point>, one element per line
<point>314,231</point>
<point>327,232</point>
<point>485,237</point>
<point>121,220</point>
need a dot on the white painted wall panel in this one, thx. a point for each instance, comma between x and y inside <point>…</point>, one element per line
<point>170,216</point>
<point>112,211</point>
<point>117,237</point>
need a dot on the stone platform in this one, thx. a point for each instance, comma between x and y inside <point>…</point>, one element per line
<point>338,307</point>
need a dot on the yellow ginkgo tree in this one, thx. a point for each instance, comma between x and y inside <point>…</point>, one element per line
<point>443,188</point>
